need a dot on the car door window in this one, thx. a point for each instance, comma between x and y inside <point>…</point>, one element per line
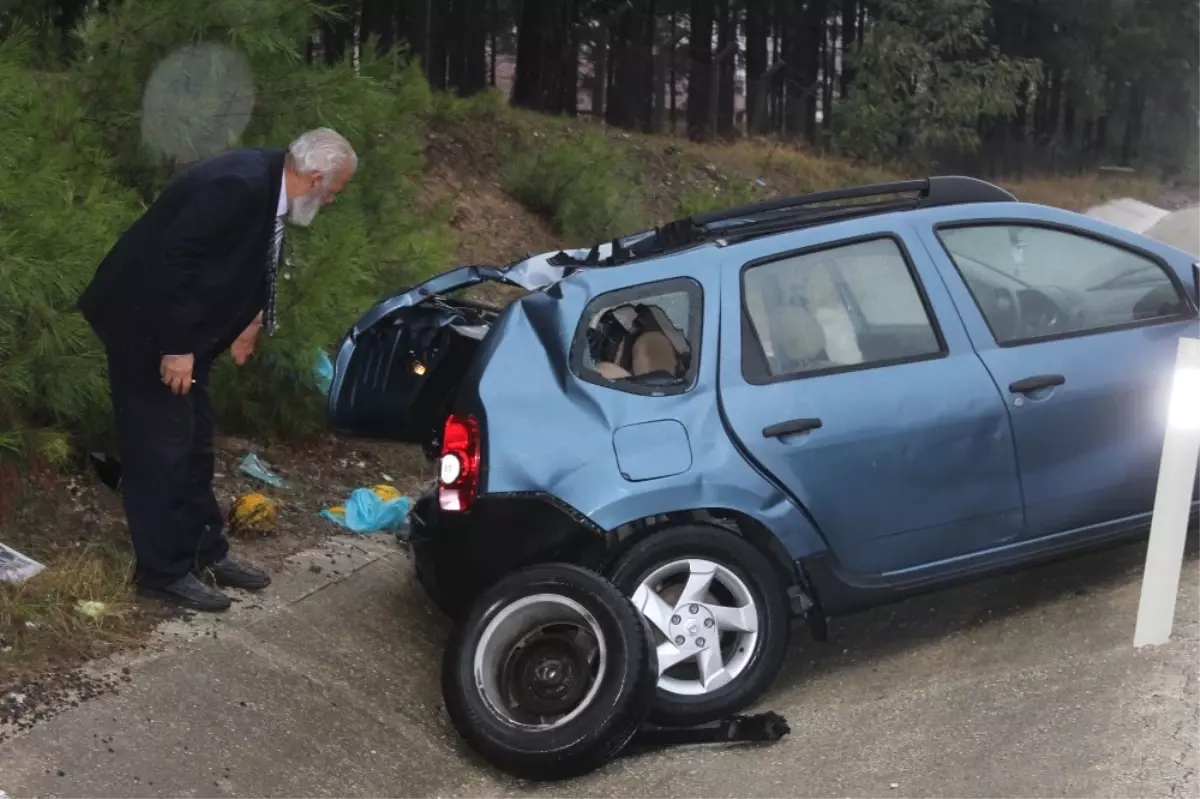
<point>1033,283</point>
<point>642,339</point>
<point>843,307</point>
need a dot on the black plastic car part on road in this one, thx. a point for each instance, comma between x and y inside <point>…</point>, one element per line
<point>550,673</point>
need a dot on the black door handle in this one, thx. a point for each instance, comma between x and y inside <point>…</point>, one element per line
<point>1036,382</point>
<point>790,427</point>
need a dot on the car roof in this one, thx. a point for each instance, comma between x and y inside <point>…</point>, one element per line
<point>784,214</point>
<point>938,199</point>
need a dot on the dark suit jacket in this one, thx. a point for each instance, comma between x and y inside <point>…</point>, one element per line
<point>190,275</point>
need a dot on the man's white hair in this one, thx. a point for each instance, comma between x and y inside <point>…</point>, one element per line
<point>322,150</point>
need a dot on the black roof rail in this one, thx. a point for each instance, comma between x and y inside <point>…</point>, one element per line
<point>789,213</point>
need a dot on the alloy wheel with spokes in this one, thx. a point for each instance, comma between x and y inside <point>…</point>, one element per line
<point>717,611</point>
<point>706,622</point>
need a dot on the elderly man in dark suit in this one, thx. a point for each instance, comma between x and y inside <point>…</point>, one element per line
<point>193,277</point>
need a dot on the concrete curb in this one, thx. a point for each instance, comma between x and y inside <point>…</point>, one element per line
<point>1129,213</point>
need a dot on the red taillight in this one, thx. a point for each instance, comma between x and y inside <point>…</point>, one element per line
<point>458,468</point>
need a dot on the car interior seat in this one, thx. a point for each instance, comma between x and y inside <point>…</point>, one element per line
<point>798,340</point>
<point>638,340</point>
<point>659,346</point>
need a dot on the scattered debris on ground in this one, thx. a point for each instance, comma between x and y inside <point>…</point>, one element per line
<point>74,525</point>
<point>24,704</point>
<point>15,567</point>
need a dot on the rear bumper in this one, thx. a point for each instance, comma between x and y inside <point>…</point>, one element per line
<point>458,555</point>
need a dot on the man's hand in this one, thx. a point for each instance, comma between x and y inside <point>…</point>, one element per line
<point>243,347</point>
<point>176,372</point>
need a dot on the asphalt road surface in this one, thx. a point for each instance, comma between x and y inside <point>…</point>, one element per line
<point>1024,685</point>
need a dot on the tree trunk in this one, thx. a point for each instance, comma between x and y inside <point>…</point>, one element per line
<point>337,35</point>
<point>849,40</point>
<point>1132,139</point>
<point>378,23</point>
<point>493,39</point>
<point>566,34</point>
<point>781,31</point>
<point>529,85</point>
<point>649,25</point>
<point>413,26</point>
<point>756,68</point>
<point>700,52</point>
<point>727,47</point>
<point>1054,111</point>
<point>626,92</point>
<point>795,60</point>
<point>672,72</point>
<point>814,29</point>
<point>475,65</point>
<point>828,77</point>
<point>600,71</point>
<point>438,53</point>
<point>663,55</point>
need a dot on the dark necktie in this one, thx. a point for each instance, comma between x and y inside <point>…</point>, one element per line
<point>274,255</point>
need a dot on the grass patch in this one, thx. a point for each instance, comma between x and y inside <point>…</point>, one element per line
<point>587,189</point>
<point>79,607</point>
<point>1083,192</point>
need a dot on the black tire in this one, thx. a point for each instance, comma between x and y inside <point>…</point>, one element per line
<point>605,725</point>
<point>760,576</point>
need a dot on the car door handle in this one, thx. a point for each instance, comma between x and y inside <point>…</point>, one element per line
<point>790,427</point>
<point>1036,382</point>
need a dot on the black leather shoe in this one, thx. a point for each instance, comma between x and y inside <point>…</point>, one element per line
<point>229,573</point>
<point>189,592</point>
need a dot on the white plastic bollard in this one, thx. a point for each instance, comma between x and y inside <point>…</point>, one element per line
<point>1172,501</point>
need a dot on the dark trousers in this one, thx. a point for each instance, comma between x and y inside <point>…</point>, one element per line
<point>167,464</point>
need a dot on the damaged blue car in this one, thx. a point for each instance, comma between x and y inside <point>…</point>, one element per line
<point>804,407</point>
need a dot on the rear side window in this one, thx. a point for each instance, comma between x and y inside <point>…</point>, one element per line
<point>1034,283</point>
<point>850,306</point>
<point>643,339</point>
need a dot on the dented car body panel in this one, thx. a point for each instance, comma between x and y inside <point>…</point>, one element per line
<point>934,433</point>
<point>577,422</point>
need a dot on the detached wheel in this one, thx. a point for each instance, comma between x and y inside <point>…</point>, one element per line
<point>550,673</point>
<point>718,614</point>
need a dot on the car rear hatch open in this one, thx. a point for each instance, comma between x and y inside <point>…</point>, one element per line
<point>399,366</point>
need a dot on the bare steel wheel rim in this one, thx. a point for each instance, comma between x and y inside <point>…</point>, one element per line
<point>539,662</point>
<point>705,621</point>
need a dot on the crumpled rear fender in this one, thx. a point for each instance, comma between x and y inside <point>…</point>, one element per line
<point>547,432</point>
<point>770,508</point>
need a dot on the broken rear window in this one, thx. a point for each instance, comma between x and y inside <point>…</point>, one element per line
<point>642,339</point>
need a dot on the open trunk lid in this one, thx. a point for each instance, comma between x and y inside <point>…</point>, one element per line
<point>399,366</point>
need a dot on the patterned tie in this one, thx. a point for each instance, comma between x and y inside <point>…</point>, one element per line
<point>273,257</point>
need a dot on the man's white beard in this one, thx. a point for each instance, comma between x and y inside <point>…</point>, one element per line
<point>305,208</point>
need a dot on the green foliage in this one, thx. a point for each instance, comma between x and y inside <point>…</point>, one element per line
<point>925,76</point>
<point>73,164</point>
<point>587,188</point>
<point>721,195</point>
<point>60,209</point>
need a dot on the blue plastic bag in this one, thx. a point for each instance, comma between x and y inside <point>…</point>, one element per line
<point>366,512</point>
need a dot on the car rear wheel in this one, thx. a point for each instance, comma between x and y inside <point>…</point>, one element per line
<point>717,610</point>
<point>550,673</point>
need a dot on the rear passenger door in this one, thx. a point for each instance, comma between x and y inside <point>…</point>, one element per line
<point>846,374</point>
<point>1080,333</point>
